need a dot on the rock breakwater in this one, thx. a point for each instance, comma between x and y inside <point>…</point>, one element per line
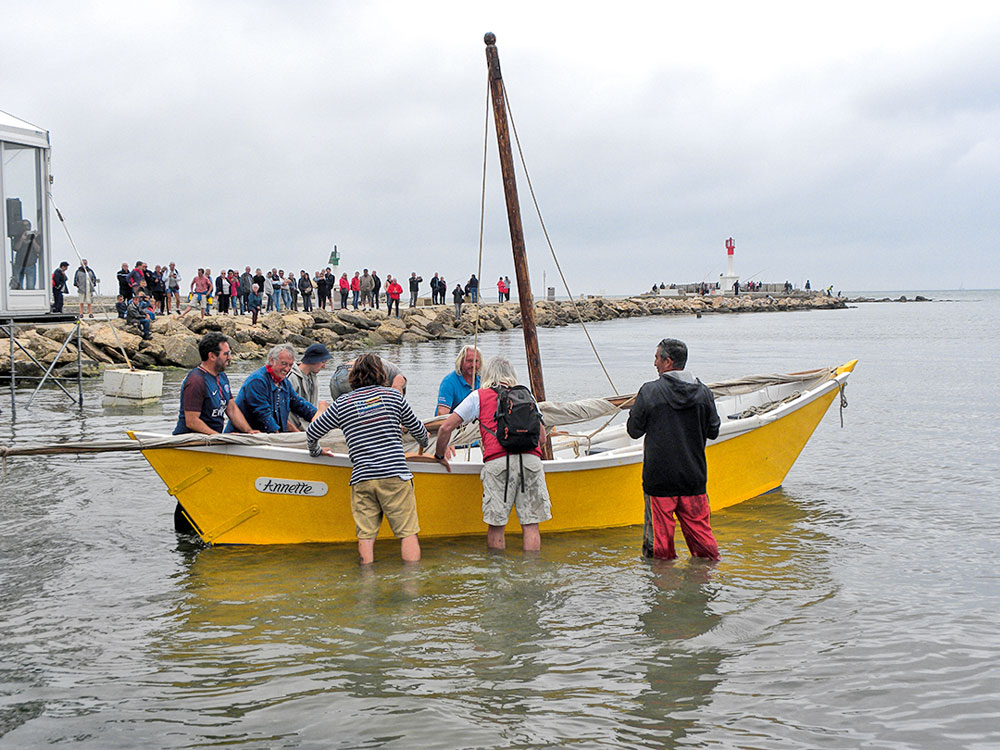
<point>174,340</point>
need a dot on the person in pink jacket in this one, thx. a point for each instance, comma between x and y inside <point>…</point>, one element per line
<point>393,291</point>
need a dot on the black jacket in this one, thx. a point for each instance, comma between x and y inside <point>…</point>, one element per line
<point>677,417</point>
<point>123,286</point>
<point>59,280</point>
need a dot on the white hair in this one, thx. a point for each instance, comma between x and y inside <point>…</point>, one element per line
<point>461,356</point>
<point>498,371</point>
<point>272,356</point>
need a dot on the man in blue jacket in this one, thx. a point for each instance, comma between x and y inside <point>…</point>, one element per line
<point>267,398</point>
<point>677,415</point>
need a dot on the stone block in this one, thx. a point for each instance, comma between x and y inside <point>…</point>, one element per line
<point>133,384</point>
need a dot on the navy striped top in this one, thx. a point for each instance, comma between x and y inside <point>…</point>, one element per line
<point>370,418</point>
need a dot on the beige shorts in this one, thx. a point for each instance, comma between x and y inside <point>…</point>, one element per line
<point>530,498</point>
<point>86,295</point>
<point>391,497</point>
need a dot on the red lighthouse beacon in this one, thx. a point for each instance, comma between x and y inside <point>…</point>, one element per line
<point>728,279</point>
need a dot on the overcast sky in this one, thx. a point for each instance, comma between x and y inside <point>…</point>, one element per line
<point>854,144</point>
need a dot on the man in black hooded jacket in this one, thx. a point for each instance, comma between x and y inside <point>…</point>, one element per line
<point>677,415</point>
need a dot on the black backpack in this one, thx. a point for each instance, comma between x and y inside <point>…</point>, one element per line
<point>519,425</point>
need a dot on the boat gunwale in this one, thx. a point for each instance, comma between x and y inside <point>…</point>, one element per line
<point>614,457</point>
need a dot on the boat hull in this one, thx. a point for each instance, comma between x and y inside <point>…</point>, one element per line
<point>227,491</point>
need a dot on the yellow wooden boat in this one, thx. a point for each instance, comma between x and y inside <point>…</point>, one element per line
<point>248,489</point>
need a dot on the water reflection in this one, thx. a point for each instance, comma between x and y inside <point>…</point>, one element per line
<point>512,646</point>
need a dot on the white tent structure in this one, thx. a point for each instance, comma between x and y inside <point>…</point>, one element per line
<point>25,263</point>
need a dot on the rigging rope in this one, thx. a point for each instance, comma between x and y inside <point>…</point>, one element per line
<point>545,231</point>
<point>482,222</point>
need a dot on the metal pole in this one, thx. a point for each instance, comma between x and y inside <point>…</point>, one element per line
<point>79,363</point>
<point>13,374</point>
<point>514,220</point>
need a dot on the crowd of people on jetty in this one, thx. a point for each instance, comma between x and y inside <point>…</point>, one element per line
<point>161,290</point>
<point>676,414</point>
<point>144,293</point>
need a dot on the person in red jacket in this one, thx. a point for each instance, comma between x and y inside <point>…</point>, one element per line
<point>393,291</point>
<point>501,290</point>
<point>355,289</point>
<point>345,287</point>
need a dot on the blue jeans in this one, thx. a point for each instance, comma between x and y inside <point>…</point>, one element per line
<point>354,298</point>
<point>286,297</point>
<point>277,299</point>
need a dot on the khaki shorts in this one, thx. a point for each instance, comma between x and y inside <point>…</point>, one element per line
<point>531,502</point>
<point>392,497</point>
<point>86,294</point>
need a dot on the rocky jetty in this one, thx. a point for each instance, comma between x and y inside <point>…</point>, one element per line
<point>901,298</point>
<point>174,340</point>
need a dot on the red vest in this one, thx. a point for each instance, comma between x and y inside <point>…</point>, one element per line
<point>488,418</point>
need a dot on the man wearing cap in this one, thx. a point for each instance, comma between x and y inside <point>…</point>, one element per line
<point>304,379</point>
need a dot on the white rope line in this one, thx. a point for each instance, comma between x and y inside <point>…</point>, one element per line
<point>479,267</point>
<point>545,231</point>
<point>482,223</point>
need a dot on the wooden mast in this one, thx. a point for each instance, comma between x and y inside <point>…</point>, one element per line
<point>514,219</point>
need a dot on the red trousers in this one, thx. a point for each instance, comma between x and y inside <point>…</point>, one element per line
<point>695,517</point>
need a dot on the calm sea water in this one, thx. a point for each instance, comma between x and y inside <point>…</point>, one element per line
<point>856,607</point>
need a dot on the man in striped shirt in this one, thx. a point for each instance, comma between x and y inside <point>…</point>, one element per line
<point>381,483</point>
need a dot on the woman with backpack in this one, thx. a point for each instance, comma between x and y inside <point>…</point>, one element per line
<point>512,434</point>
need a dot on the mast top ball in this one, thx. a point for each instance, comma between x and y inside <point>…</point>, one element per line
<point>490,38</point>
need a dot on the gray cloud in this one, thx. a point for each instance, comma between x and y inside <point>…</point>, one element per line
<point>227,134</point>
